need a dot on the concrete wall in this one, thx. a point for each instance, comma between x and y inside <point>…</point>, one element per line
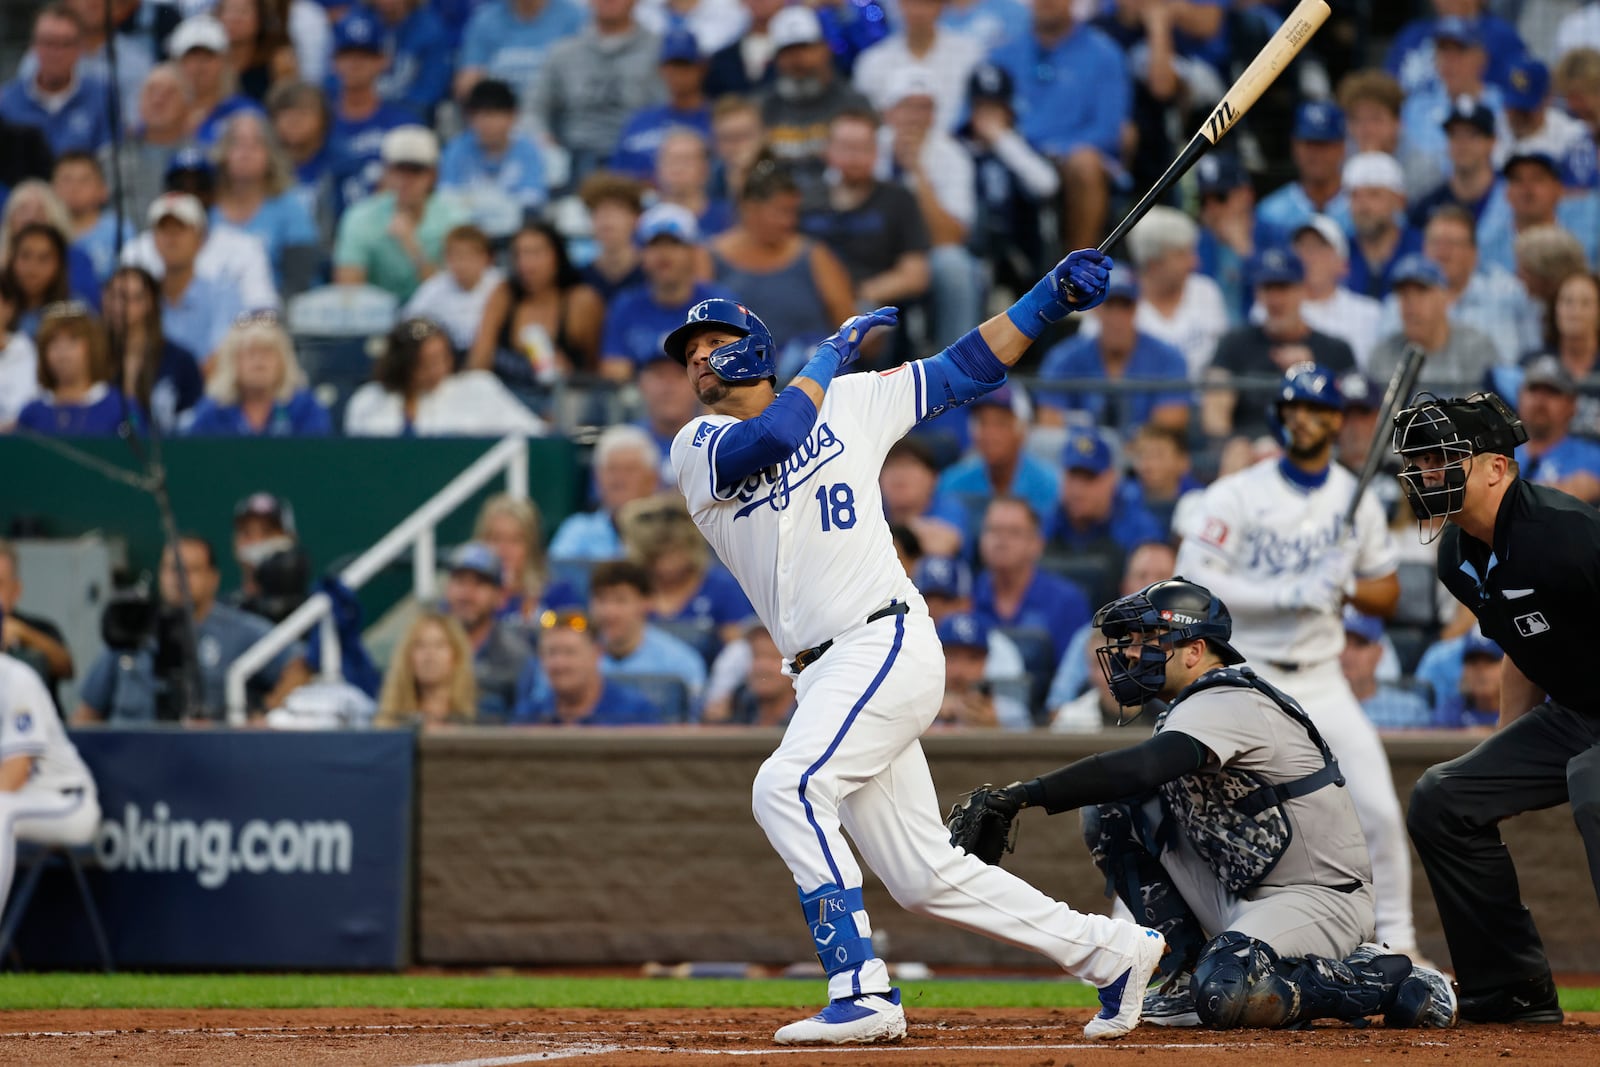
<point>607,847</point>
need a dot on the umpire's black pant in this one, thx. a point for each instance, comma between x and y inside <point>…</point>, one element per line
<point>1549,755</point>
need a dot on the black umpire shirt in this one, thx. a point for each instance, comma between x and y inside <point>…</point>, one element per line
<point>1536,591</point>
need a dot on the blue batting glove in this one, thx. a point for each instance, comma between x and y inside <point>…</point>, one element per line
<point>1084,275</point>
<point>1077,283</point>
<point>847,342</point>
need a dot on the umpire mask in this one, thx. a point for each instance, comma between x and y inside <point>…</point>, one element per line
<point>1436,440</point>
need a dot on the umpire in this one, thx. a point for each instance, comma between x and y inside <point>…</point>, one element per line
<point>1525,559</point>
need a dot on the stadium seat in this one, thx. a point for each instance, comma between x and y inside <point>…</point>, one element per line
<point>1419,596</point>
<point>342,311</point>
<point>700,636</point>
<point>1097,573</point>
<point>32,861</point>
<point>667,692</point>
<point>1410,642</point>
<point>1038,656</point>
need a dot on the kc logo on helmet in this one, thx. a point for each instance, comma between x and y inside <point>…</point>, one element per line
<point>1531,624</point>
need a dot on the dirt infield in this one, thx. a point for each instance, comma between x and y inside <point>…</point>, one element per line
<point>498,1038</point>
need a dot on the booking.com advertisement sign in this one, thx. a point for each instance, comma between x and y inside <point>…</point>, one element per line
<point>242,849</point>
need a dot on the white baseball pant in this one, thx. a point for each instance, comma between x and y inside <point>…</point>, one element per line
<point>851,757</point>
<point>45,816</point>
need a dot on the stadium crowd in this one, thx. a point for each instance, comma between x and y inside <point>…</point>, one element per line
<point>213,211</point>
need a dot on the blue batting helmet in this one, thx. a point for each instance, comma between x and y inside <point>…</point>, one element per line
<point>751,358</point>
<point>1306,383</point>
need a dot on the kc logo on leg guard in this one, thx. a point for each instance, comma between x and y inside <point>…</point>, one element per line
<point>831,913</point>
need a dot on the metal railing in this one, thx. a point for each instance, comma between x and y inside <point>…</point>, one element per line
<point>416,533</point>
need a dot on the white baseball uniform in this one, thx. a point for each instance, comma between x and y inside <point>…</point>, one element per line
<point>1256,533</point>
<point>57,804</point>
<point>808,541</point>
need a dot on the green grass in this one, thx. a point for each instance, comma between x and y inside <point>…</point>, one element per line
<point>43,991</point>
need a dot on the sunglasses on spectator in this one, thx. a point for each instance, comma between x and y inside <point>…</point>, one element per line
<point>419,329</point>
<point>65,309</point>
<point>568,619</point>
<point>259,317</point>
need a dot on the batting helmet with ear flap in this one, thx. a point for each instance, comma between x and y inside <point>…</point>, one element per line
<point>1305,383</point>
<point>751,358</point>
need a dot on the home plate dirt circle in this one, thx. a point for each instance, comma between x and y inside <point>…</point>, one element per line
<point>1011,1037</point>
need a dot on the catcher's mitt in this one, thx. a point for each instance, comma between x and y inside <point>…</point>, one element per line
<point>983,823</point>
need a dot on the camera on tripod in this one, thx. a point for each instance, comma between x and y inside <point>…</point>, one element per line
<point>136,622</point>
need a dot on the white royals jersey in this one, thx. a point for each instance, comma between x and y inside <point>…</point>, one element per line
<point>1259,528</point>
<point>807,539</point>
<point>29,726</point>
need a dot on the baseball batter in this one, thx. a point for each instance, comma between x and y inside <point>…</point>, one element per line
<point>46,794</point>
<point>1229,830</point>
<point>785,487</point>
<point>1270,541</point>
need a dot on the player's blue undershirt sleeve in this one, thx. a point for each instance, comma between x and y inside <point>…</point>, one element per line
<point>960,374</point>
<point>743,448</point>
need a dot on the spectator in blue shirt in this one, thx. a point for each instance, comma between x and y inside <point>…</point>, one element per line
<point>255,194</point>
<point>1475,702</point>
<point>1073,95</point>
<point>1118,352</point>
<point>636,322</point>
<point>683,73</point>
<point>615,204</point>
<point>200,47</point>
<point>1387,706</point>
<point>1531,119</point>
<point>1015,593</point>
<point>909,483</point>
<point>257,388</point>
<point>490,167</point>
<point>80,185</point>
<point>509,39</point>
<point>993,22</point>
<point>1532,195</point>
<point>36,259</point>
<point>361,116</point>
<point>1230,230</point>
<point>620,599</point>
<point>999,464</point>
<point>75,378</point>
<point>1461,61</point>
<point>1099,516</point>
<point>69,109</point>
<point>1411,56</point>
<point>627,467</point>
<point>1469,130</point>
<point>566,687</point>
<point>1163,466</point>
<point>694,596</point>
<point>302,121</point>
<point>196,311</point>
<point>161,377</point>
<point>1548,402</point>
<point>1317,148</point>
<point>1380,234</point>
<point>421,51</point>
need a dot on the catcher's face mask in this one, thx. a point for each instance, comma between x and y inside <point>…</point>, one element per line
<point>1135,656</point>
<point>1436,441</point>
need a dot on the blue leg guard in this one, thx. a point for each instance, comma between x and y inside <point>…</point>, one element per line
<point>831,914</point>
<point>1114,833</point>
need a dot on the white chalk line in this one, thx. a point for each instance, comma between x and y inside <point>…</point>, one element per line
<point>510,1027</point>
<point>580,1051</point>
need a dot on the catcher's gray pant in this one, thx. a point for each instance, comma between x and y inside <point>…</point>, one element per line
<point>1548,756</point>
<point>1324,694</point>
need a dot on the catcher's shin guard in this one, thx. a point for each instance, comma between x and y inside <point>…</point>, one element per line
<point>1135,876</point>
<point>1341,989</point>
<point>1237,984</point>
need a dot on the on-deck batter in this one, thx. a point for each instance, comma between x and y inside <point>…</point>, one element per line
<point>1270,541</point>
<point>785,487</point>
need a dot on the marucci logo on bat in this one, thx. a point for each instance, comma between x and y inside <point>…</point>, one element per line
<point>1221,120</point>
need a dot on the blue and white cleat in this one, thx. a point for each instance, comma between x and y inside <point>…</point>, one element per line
<point>1122,1001</point>
<point>864,1020</point>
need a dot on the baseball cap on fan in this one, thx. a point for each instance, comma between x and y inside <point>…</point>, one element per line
<point>1374,170</point>
<point>792,26</point>
<point>1546,372</point>
<point>203,32</point>
<point>1219,173</point>
<point>964,630</point>
<point>357,32</point>
<point>273,509</point>
<point>185,207</point>
<point>943,577</point>
<point>679,45</point>
<point>1318,120</point>
<point>409,146</point>
<point>1086,450</point>
<point>1527,84</point>
<point>1008,396</point>
<point>1367,627</point>
<point>1417,269</point>
<point>1473,112</point>
<point>1476,644</point>
<point>667,220</point>
<point>478,559</point>
<point>1458,30</point>
<point>1331,232</point>
<point>908,83</point>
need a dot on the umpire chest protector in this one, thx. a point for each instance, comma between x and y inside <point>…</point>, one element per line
<point>1235,819</point>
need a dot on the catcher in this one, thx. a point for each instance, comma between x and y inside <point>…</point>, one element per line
<point>1229,830</point>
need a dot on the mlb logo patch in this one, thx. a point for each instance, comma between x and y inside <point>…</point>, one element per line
<point>1531,624</point>
<point>1215,532</point>
<point>702,434</point>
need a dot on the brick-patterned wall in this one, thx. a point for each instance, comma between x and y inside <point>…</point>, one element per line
<point>603,847</point>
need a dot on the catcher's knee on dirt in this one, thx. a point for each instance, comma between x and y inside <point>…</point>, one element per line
<point>1137,878</point>
<point>1236,984</point>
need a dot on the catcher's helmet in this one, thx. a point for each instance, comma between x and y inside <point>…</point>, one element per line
<point>751,358</point>
<point>1435,438</point>
<point>1173,611</point>
<point>1306,383</point>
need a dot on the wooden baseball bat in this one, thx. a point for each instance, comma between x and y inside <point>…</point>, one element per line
<point>1274,57</point>
<point>1401,387</point>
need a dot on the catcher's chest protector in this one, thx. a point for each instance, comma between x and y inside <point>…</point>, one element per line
<point>1235,819</point>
